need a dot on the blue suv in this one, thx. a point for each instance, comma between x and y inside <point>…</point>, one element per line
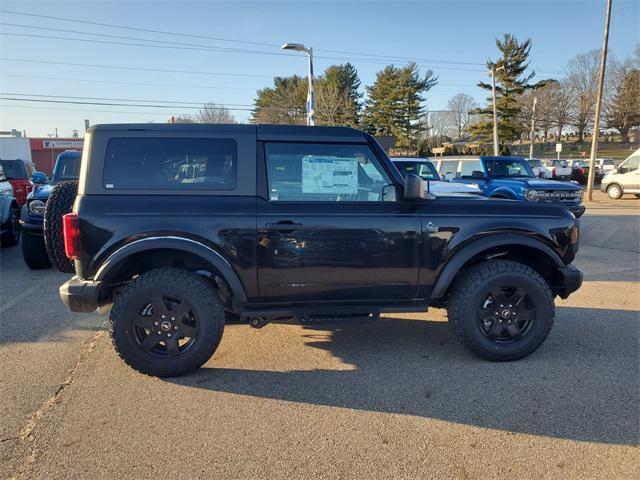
<point>513,178</point>
<point>67,167</point>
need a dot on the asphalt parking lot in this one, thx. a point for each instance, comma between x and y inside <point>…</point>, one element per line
<point>399,398</point>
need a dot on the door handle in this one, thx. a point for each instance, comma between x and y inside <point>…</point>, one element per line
<point>283,226</point>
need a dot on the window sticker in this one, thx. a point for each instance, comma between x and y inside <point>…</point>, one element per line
<point>329,175</point>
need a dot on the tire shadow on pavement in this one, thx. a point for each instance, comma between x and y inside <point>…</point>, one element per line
<point>582,384</point>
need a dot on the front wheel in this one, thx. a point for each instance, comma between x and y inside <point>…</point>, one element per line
<point>34,252</point>
<point>614,191</point>
<point>11,235</point>
<point>167,322</point>
<point>501,310</point>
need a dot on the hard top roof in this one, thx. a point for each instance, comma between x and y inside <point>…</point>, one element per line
<point>263,132</point>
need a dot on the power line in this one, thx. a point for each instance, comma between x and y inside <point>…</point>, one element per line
<point>164,32</point>
<point>115,82</point>
<point>114,99</point>
<point>118,67</point>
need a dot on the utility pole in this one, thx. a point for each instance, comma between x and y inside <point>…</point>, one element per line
<point>596,119</point>
<point>533,126</point>
<point>496,144</point>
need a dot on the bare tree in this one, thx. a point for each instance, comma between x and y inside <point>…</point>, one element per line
<point>460,106</point>
<point>183,119</point>
<point>562,106</point>
<point>582,77</point>
<point>212,113</point>
<point>331,103</point>
<point>441,126</point>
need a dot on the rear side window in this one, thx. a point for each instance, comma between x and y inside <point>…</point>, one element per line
<point>170,164</point>
<point>15,169</point>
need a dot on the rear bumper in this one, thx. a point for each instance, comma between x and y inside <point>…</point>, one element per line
<point>80,295</point>
<point>570,280</point>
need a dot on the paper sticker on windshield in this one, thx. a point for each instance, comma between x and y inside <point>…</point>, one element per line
<point>330,175</point>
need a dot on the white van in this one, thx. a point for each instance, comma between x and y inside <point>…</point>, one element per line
<point>624,179</point>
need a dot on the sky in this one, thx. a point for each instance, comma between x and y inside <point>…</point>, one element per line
<point>453,38</point>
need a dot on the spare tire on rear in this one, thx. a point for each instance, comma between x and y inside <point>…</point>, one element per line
<point>60,202</point>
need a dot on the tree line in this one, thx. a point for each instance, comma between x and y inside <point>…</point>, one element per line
<point>394,103</point>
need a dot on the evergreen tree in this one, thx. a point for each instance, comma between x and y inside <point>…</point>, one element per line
<point>284,103</point>
<point>394,103</point>
<point>338,100</point>
<point>511,82</point>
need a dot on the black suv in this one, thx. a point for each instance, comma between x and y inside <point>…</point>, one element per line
<point>182,227</point>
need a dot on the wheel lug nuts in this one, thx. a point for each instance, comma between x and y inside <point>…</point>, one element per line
<point>168,334</point>
<point>172,318</point>
<point>162,316</point>
<point>159,332</point>
<point>155,323</point>
<point>175,328</point>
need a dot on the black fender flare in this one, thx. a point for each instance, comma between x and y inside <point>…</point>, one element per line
<point>460,258</point>
<point>176,243</point>
<point>6,204</point>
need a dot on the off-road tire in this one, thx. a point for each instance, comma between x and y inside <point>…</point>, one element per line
<point>179,283</point>
<point>11,236</point>
<point>34,252</point>
<point>615,191</point>
<point>60,202</point>
<point>468,292</point>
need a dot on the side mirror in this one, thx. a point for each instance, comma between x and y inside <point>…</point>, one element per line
<point>39,178</point>
<point>416,188</point>
<point>477,175</point>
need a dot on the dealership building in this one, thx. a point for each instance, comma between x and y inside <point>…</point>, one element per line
<point>41,151</point>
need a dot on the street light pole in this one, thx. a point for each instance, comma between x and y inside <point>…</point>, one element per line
<point>533,126</point>
<point>311,98</point>
<point>496,148</point>
<point>596,120</point>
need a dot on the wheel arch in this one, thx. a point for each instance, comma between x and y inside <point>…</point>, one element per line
<point>157,252</point>
<point>530,251</point>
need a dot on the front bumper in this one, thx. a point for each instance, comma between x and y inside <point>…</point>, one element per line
<point>577,210</point>
<point>80,295</point>
<point>569,280</point>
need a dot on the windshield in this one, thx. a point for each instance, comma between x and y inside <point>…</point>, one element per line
<point>14,169</point>
<point>509,168</point>
<point>424,169</point>
<point>69,168</point>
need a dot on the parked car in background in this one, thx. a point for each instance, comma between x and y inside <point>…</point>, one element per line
<point>9,226</point>
<point>624,179</point>
<point>605,165</point>
<point>539,169</point>
<point>560,169</point>
<point>19,172</point>
<point>67,167</point>
<point>580,171</point>
<point>513,178</point>
<point>425,169</point>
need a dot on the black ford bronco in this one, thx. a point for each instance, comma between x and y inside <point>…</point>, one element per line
<point>180,228</point>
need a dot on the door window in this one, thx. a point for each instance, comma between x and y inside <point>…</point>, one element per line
<point>325,173</point>
<point>470,166</point>
<point>630,165</point>
<point>448,169</point>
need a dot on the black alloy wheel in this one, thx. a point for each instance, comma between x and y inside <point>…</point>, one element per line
<point>506,314</point>
<point>166,326</point>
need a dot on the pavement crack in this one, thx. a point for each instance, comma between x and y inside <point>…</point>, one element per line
<point>26,437</point>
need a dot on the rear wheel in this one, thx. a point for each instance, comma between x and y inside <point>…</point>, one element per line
<point>167,322</point>
<point>34,252</point>
<point>60,202</point>
<point>501,310</point>
<point>11,235</point>
<point>614,191</point>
